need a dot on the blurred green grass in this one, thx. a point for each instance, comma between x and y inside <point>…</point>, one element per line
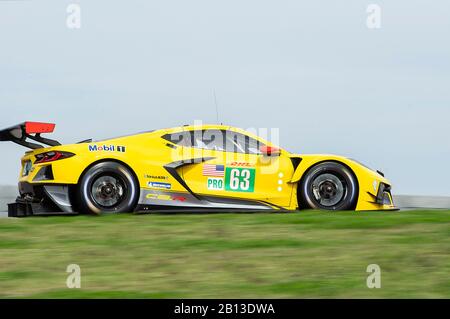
<point>289,255</point>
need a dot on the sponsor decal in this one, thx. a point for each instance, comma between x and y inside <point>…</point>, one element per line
<point>241,164</point>
<point>239,179</point>
<point>106,148</point>
<point>215,183</point>
<point>166,197</point>
<point>213,170</point>
<point>160,185</point>
<point>161,177</point>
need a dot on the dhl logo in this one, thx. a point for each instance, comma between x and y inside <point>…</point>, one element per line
<point>241,164</point>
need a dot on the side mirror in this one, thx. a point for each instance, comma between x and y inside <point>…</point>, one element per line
<point>270,150</point>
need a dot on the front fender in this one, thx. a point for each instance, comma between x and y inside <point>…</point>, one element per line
<point>368,180</point>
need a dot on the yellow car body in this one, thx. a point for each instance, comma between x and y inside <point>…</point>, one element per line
<point>184,177</point>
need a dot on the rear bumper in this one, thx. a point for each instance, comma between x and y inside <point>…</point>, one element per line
<point>23,208</point>
<point>41,200</point>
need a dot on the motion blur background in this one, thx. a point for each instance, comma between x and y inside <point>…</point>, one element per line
<point>314,70</point>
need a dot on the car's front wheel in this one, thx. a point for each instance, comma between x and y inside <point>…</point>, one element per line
<point>107,187</point>
<point>328,186</point>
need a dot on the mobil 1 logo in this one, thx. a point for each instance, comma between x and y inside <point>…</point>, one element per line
<point>106,148</point>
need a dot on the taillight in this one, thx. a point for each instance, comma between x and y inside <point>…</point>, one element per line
<point>52,156</point>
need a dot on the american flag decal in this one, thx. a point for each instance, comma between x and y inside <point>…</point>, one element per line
<point>213,170</point>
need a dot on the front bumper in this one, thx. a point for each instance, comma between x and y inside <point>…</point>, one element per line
<point>381,199</point>
<point>384,196</point>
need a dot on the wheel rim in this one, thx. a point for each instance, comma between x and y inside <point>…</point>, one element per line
<point>108,191</point>
<point>328,189</point>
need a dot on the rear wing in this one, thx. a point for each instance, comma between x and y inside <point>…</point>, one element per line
<point>21,133</point>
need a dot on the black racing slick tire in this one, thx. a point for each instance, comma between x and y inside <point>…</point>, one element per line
<point>328,186</point>
<point>107,187</point>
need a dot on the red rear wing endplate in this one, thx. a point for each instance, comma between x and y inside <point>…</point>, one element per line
<point>37,127</point>
<point>29,130</point>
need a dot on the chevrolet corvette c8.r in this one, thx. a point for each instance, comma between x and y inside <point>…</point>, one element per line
<point>186,169</point>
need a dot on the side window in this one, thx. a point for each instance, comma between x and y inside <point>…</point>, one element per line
<point>179,138</point>
<point>217,140</point>
<point>209,140</point>
<point>254,146</point>
<point>240,143</point>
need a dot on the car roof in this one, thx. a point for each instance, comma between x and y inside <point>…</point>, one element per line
<point>189,127</point>
<point>170,130</point>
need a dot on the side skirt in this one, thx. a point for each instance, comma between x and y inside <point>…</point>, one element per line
<point>185,201</point>
<point>153,209</point>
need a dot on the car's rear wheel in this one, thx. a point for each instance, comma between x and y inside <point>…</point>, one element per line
<point>329,186</point>
<point>107,187</point>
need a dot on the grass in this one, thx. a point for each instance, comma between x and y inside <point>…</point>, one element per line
<point>290,255</point>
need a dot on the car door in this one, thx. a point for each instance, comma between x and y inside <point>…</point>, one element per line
<point>207,150</point>
<point>233,166</point>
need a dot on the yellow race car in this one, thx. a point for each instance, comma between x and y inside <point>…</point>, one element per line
<point>185,169</point>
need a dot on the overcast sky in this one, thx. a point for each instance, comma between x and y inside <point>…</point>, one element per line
<point>312,68</point>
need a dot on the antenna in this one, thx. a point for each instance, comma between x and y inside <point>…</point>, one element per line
<point>217,107</point>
